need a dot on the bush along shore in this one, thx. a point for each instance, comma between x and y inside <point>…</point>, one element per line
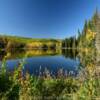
<point>18,86</point>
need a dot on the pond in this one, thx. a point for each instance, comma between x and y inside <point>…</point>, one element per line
<point>40,60</point>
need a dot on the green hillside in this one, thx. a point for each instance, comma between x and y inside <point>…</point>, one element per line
<point>8,42</point>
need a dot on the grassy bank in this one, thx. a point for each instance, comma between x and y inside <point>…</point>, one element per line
<point>19,86</point>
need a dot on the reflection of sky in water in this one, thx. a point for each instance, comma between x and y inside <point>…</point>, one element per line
<point>52,63</point>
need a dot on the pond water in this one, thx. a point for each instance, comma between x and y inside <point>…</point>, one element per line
<point>40,60</point>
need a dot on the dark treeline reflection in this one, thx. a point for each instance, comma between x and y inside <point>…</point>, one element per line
<point>12,54</point>
<point>2,54</point>
<point>70,53</point>
<point>21,53</point>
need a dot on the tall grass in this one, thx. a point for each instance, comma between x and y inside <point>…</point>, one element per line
<point>16,86</point>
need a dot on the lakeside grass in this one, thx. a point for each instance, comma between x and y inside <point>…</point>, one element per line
<point>19,86</point>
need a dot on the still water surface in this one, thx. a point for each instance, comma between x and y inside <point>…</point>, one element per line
<point>40,60</point>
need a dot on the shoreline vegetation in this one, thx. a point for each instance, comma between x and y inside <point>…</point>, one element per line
<point>15,86</point>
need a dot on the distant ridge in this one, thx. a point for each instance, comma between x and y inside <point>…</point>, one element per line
<point>29,38</point>
<point>5,35</point>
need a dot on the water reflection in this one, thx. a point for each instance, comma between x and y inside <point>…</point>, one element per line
<point>53,60</point>
<point>68,53</point>
<point>2,54</point>
<point>71,53</point>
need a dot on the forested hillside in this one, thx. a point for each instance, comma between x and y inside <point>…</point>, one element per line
<point>13,42</point>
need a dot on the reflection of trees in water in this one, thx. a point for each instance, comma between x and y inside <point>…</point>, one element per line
<point>71,53</point>
<point>41,52</point>
<point>12,54</point>
<point>2,54</point>
<point>21,53</point>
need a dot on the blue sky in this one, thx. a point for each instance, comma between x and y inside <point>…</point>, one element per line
<point>45,18</point>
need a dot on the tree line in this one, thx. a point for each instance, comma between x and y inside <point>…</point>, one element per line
<point>11,43</point>
<point>70,42</point>
<point>89,31</point>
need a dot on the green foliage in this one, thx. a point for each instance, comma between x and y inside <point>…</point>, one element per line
<point>70,43</point>
<point>14,43</point>
<point>17,87</point>
<point>89,25</point>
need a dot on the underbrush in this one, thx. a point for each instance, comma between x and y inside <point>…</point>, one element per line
<point>19,86</point>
